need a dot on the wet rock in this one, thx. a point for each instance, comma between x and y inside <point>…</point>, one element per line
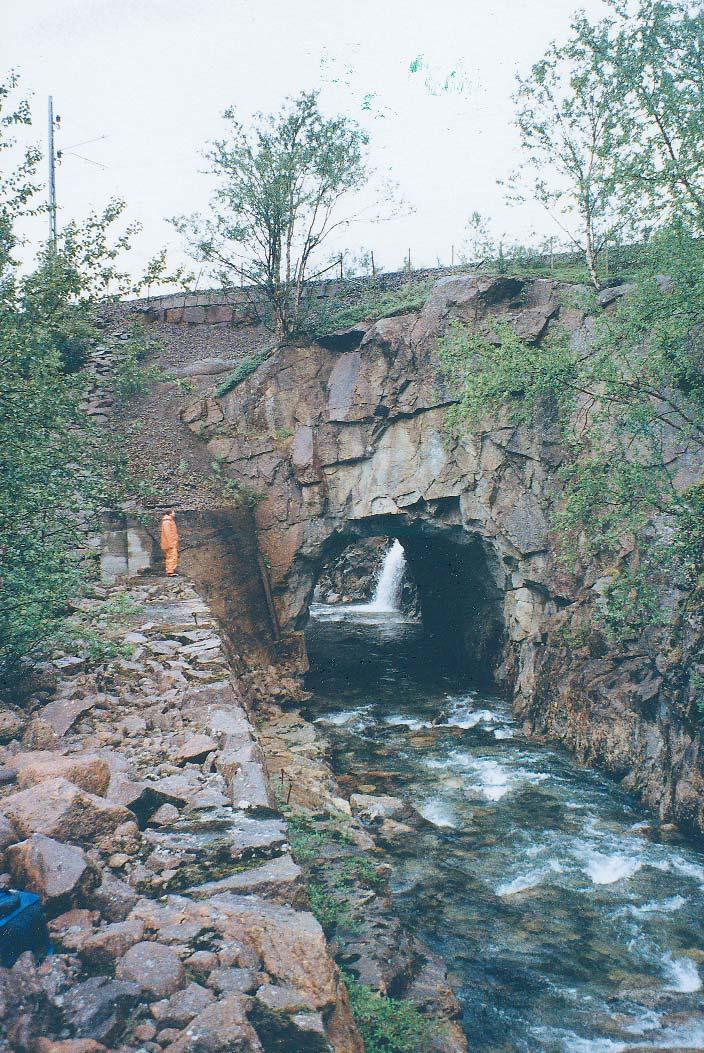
<point>221,1028</point>
<point>59,873</point>
<point>64,812</point>
<point>111,942</point>
<point>99,1007</point>
<point>392,832</point>
<point>89,772</point>
<point>156,967</point>
<point>368,806</point>
<point>113,898</point>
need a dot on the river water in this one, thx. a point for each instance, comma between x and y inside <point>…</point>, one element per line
<point>568,924</point>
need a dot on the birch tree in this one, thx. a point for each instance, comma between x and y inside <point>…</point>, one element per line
<point>281,184</point>
<point>565,118</point>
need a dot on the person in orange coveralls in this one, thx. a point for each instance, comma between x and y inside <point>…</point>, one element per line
<point>169,542</point>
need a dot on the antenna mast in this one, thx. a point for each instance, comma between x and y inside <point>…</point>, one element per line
<point>52,173</point>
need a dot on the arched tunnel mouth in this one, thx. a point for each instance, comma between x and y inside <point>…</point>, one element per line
<point>437,586</point>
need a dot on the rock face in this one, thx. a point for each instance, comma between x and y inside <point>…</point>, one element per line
<point>349,440</point>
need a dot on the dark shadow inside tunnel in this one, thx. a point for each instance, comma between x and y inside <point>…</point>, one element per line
<point>448,583</point>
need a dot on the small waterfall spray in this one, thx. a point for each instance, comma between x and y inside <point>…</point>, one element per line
<point>387,596</point>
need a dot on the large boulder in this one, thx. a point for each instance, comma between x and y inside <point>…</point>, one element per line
<point>111,942</point>
<point>100,1007</point>
<point>183,1006</point>
<point>221,1028</point>
<point>63,713</point>
<point>113,898</point>
<point>290,944</point>
<point>63,811</point>
<point>12,723</point>
<point>157,968</point>
<point>143,799</point>
<point>278,879</point>
<point>59,873</point>
<point>90,772</point>
<point>8,836</point>
<point>284,1020</point>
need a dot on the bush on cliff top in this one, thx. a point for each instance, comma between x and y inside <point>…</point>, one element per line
<point>372,305</point>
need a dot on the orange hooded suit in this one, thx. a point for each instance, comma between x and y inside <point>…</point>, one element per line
<point>169,542</point>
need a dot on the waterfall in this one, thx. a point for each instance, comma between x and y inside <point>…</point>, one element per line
<point>387,596</point>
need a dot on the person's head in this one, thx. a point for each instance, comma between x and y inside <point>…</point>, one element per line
<point>170,512</point>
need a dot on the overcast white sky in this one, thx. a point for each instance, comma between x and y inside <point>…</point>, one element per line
<point>153,77</point>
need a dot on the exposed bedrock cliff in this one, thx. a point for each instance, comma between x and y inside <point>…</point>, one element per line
<point>348,439</point>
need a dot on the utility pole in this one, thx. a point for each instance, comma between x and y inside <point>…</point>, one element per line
<point>52,172</point>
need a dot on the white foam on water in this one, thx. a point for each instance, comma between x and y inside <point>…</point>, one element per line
<point>649,1021</point>
<point>503,733</point>
<point>683,973</point>
<point>470,719</point>
<point>345,716</point>
<point>522,883</point>
<point>681,866</point>
<point>438,813</point>
<point>529,880</point>
<point>605,870</point>
<point>437,764</point>
<point>495,780</point>
<point>656,906</point>
<point>387,596</point>
<point>574,1043</point>
<point>399,721</point>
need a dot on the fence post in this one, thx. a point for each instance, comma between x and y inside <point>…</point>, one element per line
<point>452,257</point>
<point>373,266</point>
<point>340,266</point>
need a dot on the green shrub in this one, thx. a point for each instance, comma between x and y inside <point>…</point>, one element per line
<point>374,304</point>
<point>330,911</point>
<point>245,369</point>
<point>388,1025</point>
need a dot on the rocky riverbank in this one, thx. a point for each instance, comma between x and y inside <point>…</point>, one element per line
<point>136,801</point>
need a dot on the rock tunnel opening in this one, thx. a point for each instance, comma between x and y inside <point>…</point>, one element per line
<point>448,584</point>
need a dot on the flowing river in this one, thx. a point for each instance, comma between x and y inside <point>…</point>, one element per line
<point>568,923</point>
